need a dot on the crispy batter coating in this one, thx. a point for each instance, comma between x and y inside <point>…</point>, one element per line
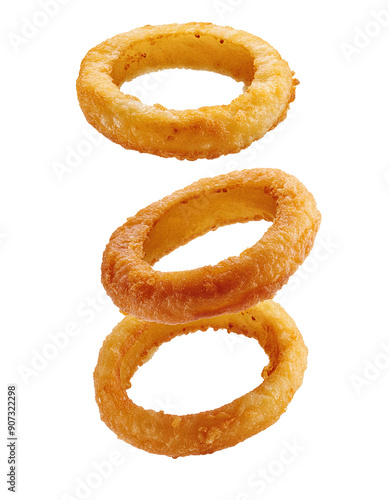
<point>134,341</point>
<point>206,132</point>
<point>232,285</point>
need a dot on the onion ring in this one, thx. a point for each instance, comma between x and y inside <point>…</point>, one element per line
<point>233,284</point>
<point>134,341</point>
<point>206,132</point>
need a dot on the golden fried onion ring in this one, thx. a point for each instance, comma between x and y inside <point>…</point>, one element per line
<point>134,341</point>
<point>206,132</point>
<point>233,284</point>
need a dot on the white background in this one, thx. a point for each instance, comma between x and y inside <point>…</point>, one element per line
<point>53,230</point>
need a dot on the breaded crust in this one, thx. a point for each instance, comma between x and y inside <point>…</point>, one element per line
<point>134,341</point>
<point>233,284</point>
<point>206,132</point>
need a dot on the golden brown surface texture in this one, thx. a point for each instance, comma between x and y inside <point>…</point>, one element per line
<point>134,341</point>
<point>206,132</point>
<point>231,285</point>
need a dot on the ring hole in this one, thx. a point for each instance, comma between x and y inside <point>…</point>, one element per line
<point>183,88</point>
<point>198,372</point>
<point>214,246</point>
